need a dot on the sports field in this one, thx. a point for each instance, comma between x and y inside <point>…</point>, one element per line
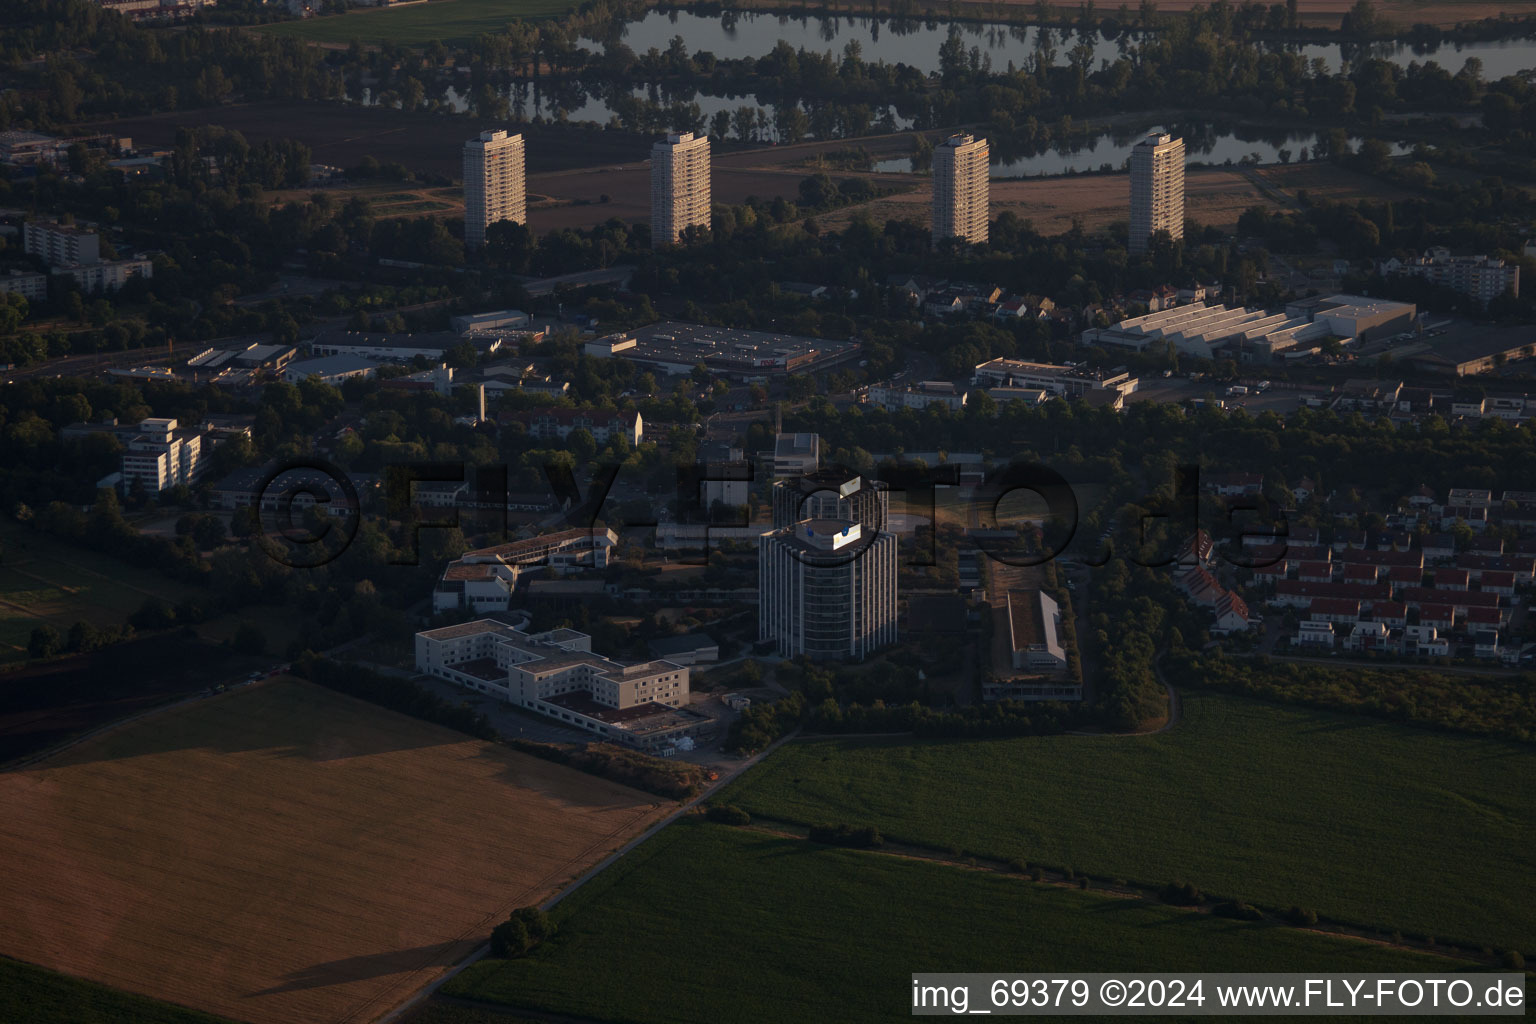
<point>45,582</point>
<point>282,853</point>
<point>1364,821</point>
<point>794,932</point>
<point>452,21</point>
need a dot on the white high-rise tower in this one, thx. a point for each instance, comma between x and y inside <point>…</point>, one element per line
<point>680,195</point>
<point>495,184</point>
<point>961,189</point>
<point>1157,189</point>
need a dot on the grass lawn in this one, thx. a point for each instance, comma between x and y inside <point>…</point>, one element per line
<point>43,581</point>
<point>452,21</point>
<point>797,932</point>
<point>1364,821</point>
<point>37,996</point>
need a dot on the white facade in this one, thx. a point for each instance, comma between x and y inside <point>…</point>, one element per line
<point>1157,189</point>
<point>161,456</point>
<point>59,244</point>
<point>108,276</point>
<point>556,674</point>
<point>495,184</point>
<point>28,286</point>
<point>796,454</point>
<point>483,580</point>
<point>680,187</point>
<point>920,396</point>
<point>826,591</point>
<point>961,189</point>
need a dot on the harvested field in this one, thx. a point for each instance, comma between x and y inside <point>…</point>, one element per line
<point>285,854</point>
<point>452,21</point>
<point>1312,13</point>
<point>1215,197</point>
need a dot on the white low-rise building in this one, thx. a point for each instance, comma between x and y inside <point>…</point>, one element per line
<point>483,580</point>
<point>920,396</point>
<point>556,674</point>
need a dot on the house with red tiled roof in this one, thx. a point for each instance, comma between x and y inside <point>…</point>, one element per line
<point>1231,614</point>
<point>1390,613</point>
<point>1440,616</point>
<point>1355,572</point>
<point>1315,572</point>
<point>1479,619</point>
<point>1451,579</point>
<point>1335,609</point>
<point>1495,581</point>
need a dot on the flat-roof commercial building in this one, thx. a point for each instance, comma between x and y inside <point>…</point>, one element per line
<point>556,674</point>
<point>961,189</point>
<point>1060,381</point>
<point>1157,190</point>
<point>1034,620</point>
<point>796,454</point>
<point>919,396</point>
<point>495,184</point>
<point>1466,349</point>
<point>1355,316</point>
<point>680,191</point>
<point>386,347</point>
<point>331,369</point>
<point>827,590</point>
<point>675,347</point>
<point>483,580</point>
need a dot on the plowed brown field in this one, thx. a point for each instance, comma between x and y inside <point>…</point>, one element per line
<point>286,854</point>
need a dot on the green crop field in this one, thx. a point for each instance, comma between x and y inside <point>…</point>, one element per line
<point>43,581</point>
<point>1361,820</point>
<point>36,996</point>
<point>796,932</point>
<point>452,21</point>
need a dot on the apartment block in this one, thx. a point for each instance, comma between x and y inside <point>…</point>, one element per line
<point>961,189</point>
<point>108,276</point>
<point>60,244</point>
<point>1482,277</point>
<point>495,184</point>
<point>680,192</point>
<point>27,285</point>
<point>1157,189</point>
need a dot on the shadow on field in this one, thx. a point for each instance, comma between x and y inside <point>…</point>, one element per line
<point>371,965</point>
<point>562,785</point>
<point>282,718</point>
